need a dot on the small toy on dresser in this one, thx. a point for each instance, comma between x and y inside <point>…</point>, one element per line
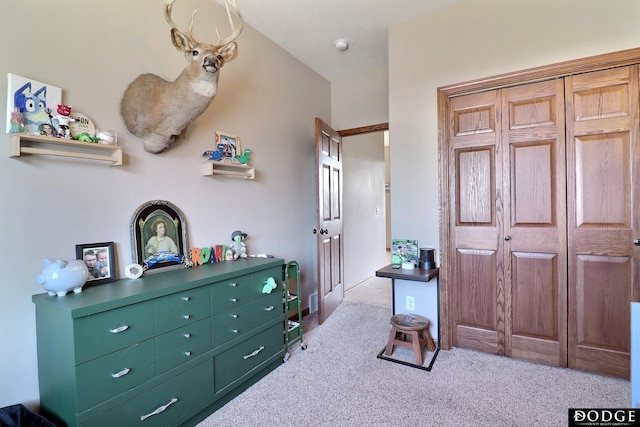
<point>237,245</point>
<point>58,277</point>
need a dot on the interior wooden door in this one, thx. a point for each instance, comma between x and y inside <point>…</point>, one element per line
<point>329,220</point>
<point>535,252</point>
<point>475,170</point>
<point>603,217</point>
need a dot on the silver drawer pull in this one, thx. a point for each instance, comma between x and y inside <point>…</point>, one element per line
<point>122,373</point>
<point>187,316</point>
<point>254,353</point>
<point>234,284</point>
<point>187,353</point>
<point>186,335</point>
<point>235,316</point>
<point>269,308</point>
<point>159,410</point>
<point>186,298</point>
<point>119,329</point>
<point>235,331</point>
<point>234,299</point>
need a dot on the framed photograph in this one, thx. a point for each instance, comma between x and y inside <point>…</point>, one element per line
<point>31,99</point>
<point>404,250</point>
<point>229,145</point>
<point>100,259</point>
<point>158,236</point>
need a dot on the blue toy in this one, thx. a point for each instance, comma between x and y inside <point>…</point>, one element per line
<point>215,155</point>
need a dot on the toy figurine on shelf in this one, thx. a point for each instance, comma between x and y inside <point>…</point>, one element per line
<point>64,117</point>
<point>237,245</point>
<point>244,157</point>
<point>17,121</point>
<point>215,155</point>
<point>86,137</point>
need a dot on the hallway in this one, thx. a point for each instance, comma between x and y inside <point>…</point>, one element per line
<point>375,290</point>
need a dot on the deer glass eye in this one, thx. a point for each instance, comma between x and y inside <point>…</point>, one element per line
<point>195,53</point>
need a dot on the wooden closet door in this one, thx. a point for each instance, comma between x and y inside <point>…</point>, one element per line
<point>475,170</point>
<point>535,222</point>
<point>603,217</point>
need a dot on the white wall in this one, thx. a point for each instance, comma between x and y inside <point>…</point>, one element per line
<point>364,207</point>
<point>478,39</point>
<point>92,50</point>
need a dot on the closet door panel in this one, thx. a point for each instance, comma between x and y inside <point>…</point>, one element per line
<point>475,170</point>
<point>534,327</point>
<point>603,181</point>
<point>479,300</point>
<point>535,222</point>
<point>603,163</point>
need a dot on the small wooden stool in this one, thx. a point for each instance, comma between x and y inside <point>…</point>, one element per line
<point>404,326</point>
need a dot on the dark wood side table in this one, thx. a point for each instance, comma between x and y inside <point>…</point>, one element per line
<point>417,275</point>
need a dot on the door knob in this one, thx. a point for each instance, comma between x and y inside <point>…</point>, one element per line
<point>507,238</point>
<point>636,242</point>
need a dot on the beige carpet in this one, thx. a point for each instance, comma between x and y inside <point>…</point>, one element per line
<point>338,381</point>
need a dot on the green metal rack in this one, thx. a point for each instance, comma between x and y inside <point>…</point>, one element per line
<point>292,307</point>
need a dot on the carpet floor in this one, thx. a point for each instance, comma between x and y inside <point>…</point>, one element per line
<point>339,381</point>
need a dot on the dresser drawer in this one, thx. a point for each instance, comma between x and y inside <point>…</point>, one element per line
<point>259,279</point>
<point>182,300</point>
<point>108,376</point>
<point>231,324</point>
<point>237,361</point>
<point>183,344</point>
<point>170,320</point>
<point>186,393</point>
<point>231,293</point>
<point>267,308</point>
<point>112,330</point>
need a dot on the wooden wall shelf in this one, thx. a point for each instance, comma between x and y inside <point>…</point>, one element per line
<point>20,143</point>
<point>232,169</point>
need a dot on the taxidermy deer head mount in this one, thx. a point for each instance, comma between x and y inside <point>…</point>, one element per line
<point>156,110</point>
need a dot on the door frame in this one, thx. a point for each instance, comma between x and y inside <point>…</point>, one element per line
<point>444,94</point>
<point>341,133</point>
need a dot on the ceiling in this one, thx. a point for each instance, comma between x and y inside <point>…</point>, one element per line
<point>307,29</point>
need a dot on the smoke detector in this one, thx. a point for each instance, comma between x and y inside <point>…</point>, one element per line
<point>342,44</point>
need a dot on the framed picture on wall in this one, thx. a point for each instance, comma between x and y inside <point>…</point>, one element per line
<point>35,102</point>
<point>229,145</point>
<point>158,236</point>
<point>100,260</point>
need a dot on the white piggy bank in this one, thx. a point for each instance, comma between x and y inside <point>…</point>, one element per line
<point>61,276</point>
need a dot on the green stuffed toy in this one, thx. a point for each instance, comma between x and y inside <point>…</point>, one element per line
<point>270,285</point>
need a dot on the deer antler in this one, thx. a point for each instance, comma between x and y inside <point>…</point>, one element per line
<point>237,29</point>
<point>235,26</point>
<point>168,6</point>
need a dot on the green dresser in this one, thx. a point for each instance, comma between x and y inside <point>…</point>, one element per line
<point>165,349</point>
